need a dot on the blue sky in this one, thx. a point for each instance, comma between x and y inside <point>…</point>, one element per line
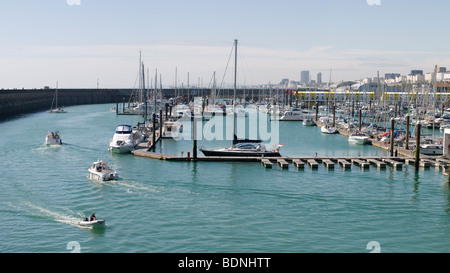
<point>46,41</point>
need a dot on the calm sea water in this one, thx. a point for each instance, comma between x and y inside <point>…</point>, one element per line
<point>160,206</point>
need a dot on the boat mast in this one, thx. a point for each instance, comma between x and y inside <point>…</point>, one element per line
<point>56,95</point>
<point>176,93</point>
<point>154,91</point>
<point>234,93</point>
<point>235,70</point>
<point>143,91</point>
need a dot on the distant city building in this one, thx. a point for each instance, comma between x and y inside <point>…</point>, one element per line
<point>319,77</point>
<point>284,82</point>
<point>416,72</point>
<point>389,76</point>
<point>304,77</point>
<point>441,69</point>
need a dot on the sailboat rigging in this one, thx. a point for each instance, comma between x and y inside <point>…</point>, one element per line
<point>55,100</point>
<point>241,147</point>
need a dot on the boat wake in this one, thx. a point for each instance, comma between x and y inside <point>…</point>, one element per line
<point>135,186</point>
<point>130,186</point>
<point>60,217</point>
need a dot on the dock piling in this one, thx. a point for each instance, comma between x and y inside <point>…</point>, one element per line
<point>417,147</point>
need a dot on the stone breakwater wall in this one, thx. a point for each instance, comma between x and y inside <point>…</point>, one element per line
<point>14,102</point>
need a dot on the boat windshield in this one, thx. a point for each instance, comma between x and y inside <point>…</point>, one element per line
<point>123,129</point>
<point>246,146</point>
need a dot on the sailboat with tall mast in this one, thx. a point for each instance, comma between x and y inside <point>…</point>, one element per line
<point>57,109</point>
<point>241,147</point>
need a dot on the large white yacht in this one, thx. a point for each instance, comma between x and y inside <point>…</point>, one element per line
<point>294,114</point>
<point>124,139</point>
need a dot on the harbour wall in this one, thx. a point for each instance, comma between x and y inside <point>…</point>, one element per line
<point>20,101</point>
<point>15,102</point>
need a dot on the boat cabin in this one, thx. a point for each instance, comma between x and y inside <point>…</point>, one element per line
<point>123,129</point>
<point>53,134</point>
<point>100,165</point>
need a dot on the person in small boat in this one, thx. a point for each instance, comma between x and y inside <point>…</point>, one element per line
<point>92,217</point>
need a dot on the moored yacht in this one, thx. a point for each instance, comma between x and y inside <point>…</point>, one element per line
<point>171,129</point>
<point>124,139</point>
<point>328,129</point>
<point>294,114</point>
<point>432,149</point>
<point>247,149</point>
<point>244,147</point>
<point>358,138</point>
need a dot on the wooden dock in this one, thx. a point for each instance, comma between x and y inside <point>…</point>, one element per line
<point>266,163</point>
<point>283,163</point>
<point>345,164</point>
<point>361,163</point>
<point>313,163</point>
<point>378,163</point>
<point>298,163</point>
<point>381,162</point>
<point>328,163</point>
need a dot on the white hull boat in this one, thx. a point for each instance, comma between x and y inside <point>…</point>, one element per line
<point>328,130</point>
<point>94,223</point>
<point>124,139</point>
<point>53,138</point>
<point>57,109</point>
<point>358,138</point>
<point>172,129</point>
<point>294,115</point>
<point>431,149</point>
<point>101,171</point>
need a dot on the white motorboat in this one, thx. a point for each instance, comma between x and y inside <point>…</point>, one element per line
<point>294,114</point>
<point>358,138</point>
<point>327,129</point>
<point>53,138</point>
<point>432,149</point>
<point>125,139</point>
<point>102,172</point>
<point>94,223</point>
<point>172,129</point>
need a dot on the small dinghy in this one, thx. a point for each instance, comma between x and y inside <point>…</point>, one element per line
<point>94,223</point>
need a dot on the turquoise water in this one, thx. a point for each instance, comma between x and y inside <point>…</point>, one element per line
<point>161,206</point>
